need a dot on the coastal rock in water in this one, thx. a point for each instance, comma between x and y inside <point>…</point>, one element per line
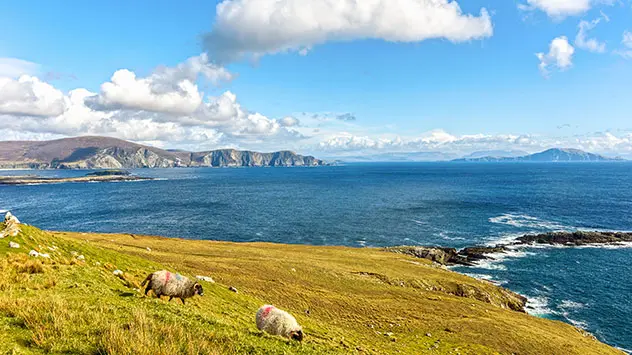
<point>576,238</point>
<point>474,254</point>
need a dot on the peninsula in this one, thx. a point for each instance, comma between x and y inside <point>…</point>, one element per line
<point>110,153</point>
<point>99,176</point>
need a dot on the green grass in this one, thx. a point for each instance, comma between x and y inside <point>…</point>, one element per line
<point>359,301</point>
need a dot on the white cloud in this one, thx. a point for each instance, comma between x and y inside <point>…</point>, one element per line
<point>562,8</point>
<point>30,97</point>
<point>435,140</point>
<point>626,51</point>
<point>259,27</point>
<point>165,108</point>
<point>589,44</point>
<point>289,121</point>
<point>13,67</point>
<point>560,56</point>
<point>168,90</point>
<point>347,144</point>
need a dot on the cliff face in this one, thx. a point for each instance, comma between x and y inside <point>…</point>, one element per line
<point>231,157</point>
<point>108,153</point>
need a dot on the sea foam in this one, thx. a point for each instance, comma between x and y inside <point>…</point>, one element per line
<point>526,221</point>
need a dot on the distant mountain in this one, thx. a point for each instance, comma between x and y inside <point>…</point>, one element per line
<point>400,157</point>
<point>497,154</point>
<point>112,153</point>
<point>550,155</point>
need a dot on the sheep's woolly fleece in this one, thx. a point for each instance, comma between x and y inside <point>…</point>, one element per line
<point>165,283</point>
<point>278,322</point>
<point>11,226</point>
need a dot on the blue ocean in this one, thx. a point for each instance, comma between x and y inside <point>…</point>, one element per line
<point>373,205</point>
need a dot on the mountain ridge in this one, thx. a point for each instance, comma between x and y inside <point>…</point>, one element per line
<point>549,155</point>
<point>94,152</point>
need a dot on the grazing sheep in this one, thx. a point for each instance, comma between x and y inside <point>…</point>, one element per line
<point>165,283</point>
<point>11,226</point>
<point>278,322</point>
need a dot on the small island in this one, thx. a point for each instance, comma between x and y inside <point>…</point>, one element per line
<point>97,176</point>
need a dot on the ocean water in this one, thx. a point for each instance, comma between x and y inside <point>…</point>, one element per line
<point>447,204</point>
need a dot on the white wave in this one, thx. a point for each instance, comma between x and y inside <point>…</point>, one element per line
<point>362,243</point>
<point>526,221</point>
<point>444,235</point>
<point>489,264</point>
<point>577,323</point>
<point>495,260</point>
<point>421,223</point>
<point>627,351</point>
<point>3,211</point>
<point>538,306</point>
<point>504,239</point>
<point>567,304</point>
<point>620,245</point>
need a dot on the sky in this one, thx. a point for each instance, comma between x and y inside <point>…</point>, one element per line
<point>324,77</point>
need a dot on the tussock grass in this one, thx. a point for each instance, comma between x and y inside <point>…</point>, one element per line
<point>360,301</point>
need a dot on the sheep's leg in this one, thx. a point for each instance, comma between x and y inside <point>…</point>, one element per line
<point>170,298</point>
<point>182,299</point>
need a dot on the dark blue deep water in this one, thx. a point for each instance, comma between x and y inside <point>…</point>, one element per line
<point>449,204</point>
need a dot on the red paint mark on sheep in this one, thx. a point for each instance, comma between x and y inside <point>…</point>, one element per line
<point>167,277</point>
<point>266,311</point>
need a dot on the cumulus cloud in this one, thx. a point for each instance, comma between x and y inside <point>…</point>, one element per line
<point>30,97</point>
<point>562,8</point>
<point>436,140</point>
<point>13,67</point>
<point>165,108</point>
<point>254,28</point>
<point>560,56</point>
<point>169,89</point>
<point>589,44</point>
<point>626,42</point>
<point>289,121</point>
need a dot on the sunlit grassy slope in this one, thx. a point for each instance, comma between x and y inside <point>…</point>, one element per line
<point>359,301</point>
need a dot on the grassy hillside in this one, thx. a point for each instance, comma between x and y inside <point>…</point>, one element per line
<point>359,301</point>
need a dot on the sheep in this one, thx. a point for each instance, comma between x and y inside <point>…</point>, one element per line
<point>278,322</point>
<point>11,226</point>
<point>165,283</point>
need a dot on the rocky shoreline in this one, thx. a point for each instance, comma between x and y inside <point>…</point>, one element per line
<point>34,179</point>
<point>470,255</point>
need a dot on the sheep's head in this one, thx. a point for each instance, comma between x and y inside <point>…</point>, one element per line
<point>297,335</point>
<point>198,289</point>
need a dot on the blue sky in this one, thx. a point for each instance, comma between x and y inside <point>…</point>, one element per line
<point>481,91</point>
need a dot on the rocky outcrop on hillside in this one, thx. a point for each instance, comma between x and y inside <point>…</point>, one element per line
<point>110,153</point>
<point>448,256</point>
